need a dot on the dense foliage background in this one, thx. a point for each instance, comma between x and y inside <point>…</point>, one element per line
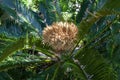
<point>23,56</point>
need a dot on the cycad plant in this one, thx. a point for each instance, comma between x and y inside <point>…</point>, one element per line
<point>59,39</point>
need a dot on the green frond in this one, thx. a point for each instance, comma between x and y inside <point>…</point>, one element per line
<point>19,44</point>
<point>94,65</point>
<point>77,72</point>
<point>108,9</point>
<point>22,60</point>
<point>86,24</point>
<point>110,4</point>
<point>5,76</point>
<point>19,18</point>
<point>4,37</point>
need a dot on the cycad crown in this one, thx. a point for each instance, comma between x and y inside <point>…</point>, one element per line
<point>60,35</point>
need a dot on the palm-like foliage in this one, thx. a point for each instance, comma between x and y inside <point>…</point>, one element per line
<point>21,47</point>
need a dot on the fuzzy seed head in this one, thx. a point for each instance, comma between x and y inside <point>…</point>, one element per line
<point>60,35</point>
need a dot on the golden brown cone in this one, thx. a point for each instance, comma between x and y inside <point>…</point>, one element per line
<point>60,35</point>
